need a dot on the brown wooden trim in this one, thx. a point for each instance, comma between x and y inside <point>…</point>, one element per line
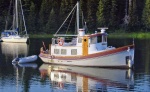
<point>110,67</point>
<point>113,51</point>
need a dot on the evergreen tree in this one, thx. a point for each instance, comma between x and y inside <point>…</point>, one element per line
<point>46,7</point>
<point>51,25</point>
<point>113,14</point>
<point>84,8</point>
<point>133,14</point>
<point>140,6</point>
<point>66,7</point>
<point>103,13</point>
<point>4,8</point>
<point>32,20</point>
<point>92,9</point>
<point>146,13</point>
<point>100,14</point>
<point>56,10</point>
<point>26,6</point>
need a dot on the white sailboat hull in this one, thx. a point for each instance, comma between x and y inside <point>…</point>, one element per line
<point>15,39</point>
<point>111,60</point>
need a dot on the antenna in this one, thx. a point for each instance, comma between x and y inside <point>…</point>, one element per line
<point>103,29</point>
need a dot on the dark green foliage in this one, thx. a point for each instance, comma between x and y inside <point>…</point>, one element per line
<point>31,19</point>
<point>46,16</point>
<point>146,14</point>
<point>46,7</point>
<point>113,14</point>
<point>51,25</point>
<point>100,14</point>
<point>133,14</point>
<point>91,12</point>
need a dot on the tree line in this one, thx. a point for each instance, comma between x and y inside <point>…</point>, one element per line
<point>46,16</point>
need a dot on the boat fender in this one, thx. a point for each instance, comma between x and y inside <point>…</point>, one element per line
<point>60,42</point>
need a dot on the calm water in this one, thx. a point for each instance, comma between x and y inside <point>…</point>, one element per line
<point>38,77</point>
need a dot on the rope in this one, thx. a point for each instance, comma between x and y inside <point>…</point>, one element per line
<point>70,22</point>
<point>65,19</point>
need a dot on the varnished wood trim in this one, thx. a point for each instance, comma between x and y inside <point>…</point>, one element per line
<point>113,51</point>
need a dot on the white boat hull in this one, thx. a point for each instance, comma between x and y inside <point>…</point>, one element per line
<point>111,60</point>
<point>15,39</point>
<point>33,65</point>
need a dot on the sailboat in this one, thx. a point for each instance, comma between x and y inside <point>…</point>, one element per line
<point>87,49</point>
<point>18,31</point>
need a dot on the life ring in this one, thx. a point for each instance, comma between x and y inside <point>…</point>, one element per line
<point>60,42</point>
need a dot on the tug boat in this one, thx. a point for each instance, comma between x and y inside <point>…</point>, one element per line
<point>87,50</point>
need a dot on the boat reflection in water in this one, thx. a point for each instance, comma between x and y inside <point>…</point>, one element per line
<point>87,79</point>
<point>14,49</point>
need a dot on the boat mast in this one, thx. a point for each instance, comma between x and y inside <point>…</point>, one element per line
<point>77,16</point>
<point>23,18</point>
<point>16,7</point>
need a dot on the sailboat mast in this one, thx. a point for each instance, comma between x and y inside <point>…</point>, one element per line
<point>16,7</point>
<point>23,18</point>
<point>77,16</point>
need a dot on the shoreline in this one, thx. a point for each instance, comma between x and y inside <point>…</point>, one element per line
<point>138,35</point>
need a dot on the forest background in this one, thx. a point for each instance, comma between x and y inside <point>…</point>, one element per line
<point>46,16</point>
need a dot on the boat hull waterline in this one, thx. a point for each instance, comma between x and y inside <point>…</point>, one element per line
<point>14,39</point>
<point>112,58</point>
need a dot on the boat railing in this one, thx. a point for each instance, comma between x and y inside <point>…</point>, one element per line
<point>63,35</point>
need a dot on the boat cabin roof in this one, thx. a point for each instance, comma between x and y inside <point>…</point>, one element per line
<point>88,35</point>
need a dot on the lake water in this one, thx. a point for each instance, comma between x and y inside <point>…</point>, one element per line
<point>39,77</point>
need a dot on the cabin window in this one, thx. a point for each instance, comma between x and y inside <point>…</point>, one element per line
<point>99,39</point>
<point>73,77</point>
<point>79,40</point>
<point>93,40</point>
<point>56,76</point>
<point>63,51</point>
<point>63,76</point>
<point>74,52</point>
<point>56,51</point>
<point>104,38</point>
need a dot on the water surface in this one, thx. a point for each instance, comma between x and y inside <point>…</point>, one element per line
<point>53,78</point>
